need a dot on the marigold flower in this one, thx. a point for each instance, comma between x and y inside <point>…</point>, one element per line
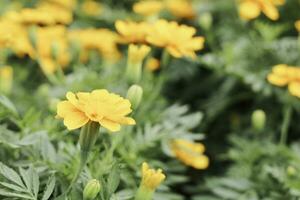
<point>151,178</point>
<point>107,109</point>
<point>297,25</point>
<point>132,32</point>
<point>91,7</point>
<point>148,8</point>
<point>177,39</point>
<point>283,75</point>
<point>190,153</point>
<point>251,9</point>
<point>181,8</point>
<point>152,64</point>
<point>102,40</point>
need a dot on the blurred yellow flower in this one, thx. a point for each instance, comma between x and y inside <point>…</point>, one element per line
<point>6,79</point>
<point>136,54</point>
<point>148,7</point>
<point>102,40</point>
<point>151,178</point>
<point>91,7</point>
<point>152,64</point>
<point>190,153</point>
<point>177,39</point>
<point>297,25</point>
<point>181,8</point>
<point>251,9</point>
<point>108,109</point>
<point>132,32</point>
<point>52,48</point>
<point>283,75</point>
<point>67,4</point>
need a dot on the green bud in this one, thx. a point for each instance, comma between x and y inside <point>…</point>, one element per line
<point>258,120</point>
<point>291,171</point>
<point>205,20</point>
<point>91,189</point>
<point>54,50</point>
<point>135,94</point>
<point>88,136</point>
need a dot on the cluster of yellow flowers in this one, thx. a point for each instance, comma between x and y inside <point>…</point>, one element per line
<point>177,39</point>
<point>49,43</point>
<point>190,153</point>
<point>251,9</point>
<point>284,75</point>
<point>178,8</point>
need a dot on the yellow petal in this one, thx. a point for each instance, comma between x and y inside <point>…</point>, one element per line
<point>249,10</point>
<point>294,89</point>
<point>277,80</point>
<point>110,125</point>
<point>270,10</point>
<point>73,118</point>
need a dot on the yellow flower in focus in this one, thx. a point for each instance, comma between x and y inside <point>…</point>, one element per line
<point>190,153</point>
<point>178,39</point>
<point>136,54</point>
<point>148,7</point>
<point>132,32</point>
<point>108,109</point>
<point>6,79</point>
<point>251,9</point>
<point>152,64</point>
<point>181,8</point>
<point>297,25</point>
<point>91,7</point>
<point>151,178</point>
<point>284,75</point>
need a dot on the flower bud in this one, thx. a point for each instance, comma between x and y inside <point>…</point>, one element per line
<point>6,79</point>
<point>136,55</point>
<point>291,171</point>
<point>91,189</point>
<point>135,94</point>
<point>205,20</point>
<point>258,120</point>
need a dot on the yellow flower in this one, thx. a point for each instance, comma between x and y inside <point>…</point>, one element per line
<point>152,64</point>
<point>151,178</point>
<point>132,32</point>
<point>107,109</point>
<point>67,4</point>
<point>102,40</point>
<point>297,25</point>
<point>6,79</point>
<point>91,7</point>
<point>148,8</point>
<point>180,8</point>
<point>190,153</point>
<point>136,54</point>
<point>251,9</point>
<point>283,75</point>
<point>177,39</point>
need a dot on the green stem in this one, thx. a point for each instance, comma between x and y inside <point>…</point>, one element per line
<point>83,161</point>
<point>287,114</point>
<point>165,58</point>
<point>143,194</point>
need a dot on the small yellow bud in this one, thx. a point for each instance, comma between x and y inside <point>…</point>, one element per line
<point>291,171</point>
<point>136,55</point>
<point>6,79</point>
<point>134,95</point>
<point>258,120</point>
<point>91,189</point>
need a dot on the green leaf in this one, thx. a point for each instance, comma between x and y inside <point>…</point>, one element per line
<point>49,188</point>
<point>5,102</point>
<point>10,174</point>
<point>11,194</point>
<point>35,181</point>
<point>113,180</point>
<point>13,187</point>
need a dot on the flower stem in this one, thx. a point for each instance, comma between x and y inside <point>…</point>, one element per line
<point>165,58</point>
<point>143,194</point>
<point>287,114</point>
